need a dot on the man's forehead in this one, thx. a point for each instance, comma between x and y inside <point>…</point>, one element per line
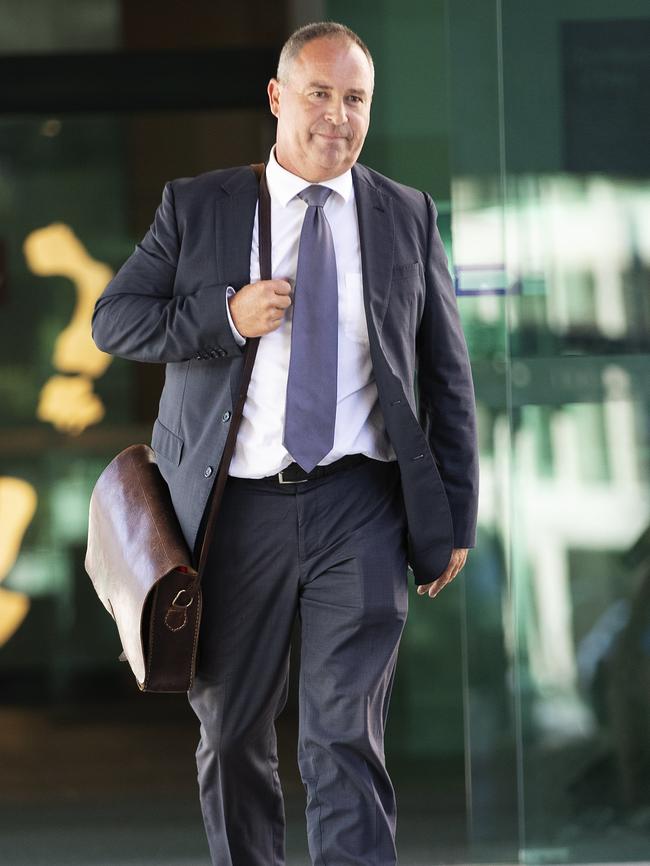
<point>322,58</point>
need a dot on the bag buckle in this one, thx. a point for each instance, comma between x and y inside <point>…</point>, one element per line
<point>178,604</point>
<point>176,616</point>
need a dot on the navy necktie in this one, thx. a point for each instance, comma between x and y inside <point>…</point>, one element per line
<point>311,386</point>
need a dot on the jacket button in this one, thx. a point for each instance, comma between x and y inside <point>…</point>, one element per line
<point>226,415</point>
<point>208,471</point>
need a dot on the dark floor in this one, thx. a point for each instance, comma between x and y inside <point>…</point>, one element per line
<point>113,782</point>
<point>97,781</point>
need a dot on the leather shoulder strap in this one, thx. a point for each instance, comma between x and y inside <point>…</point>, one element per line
<point>264,223</point>
<point>249,359</point>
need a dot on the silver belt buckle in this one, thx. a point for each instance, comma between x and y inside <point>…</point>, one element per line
<point>289,480</point>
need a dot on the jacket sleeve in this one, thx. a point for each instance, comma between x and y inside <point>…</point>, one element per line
<point>138,316</point>
<point>446,402</point>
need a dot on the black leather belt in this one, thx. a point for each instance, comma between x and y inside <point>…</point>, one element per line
<point>294,473</point>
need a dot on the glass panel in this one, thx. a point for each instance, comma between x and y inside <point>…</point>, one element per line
<point>550,217</point>
<point>480,266</point>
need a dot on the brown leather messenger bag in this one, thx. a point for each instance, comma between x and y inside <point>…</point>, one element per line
<point>137,557</point>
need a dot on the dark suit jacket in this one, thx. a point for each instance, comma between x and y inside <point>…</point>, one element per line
<point>167,305</point>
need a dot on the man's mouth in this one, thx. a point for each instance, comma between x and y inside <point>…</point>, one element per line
<point>332,137</point>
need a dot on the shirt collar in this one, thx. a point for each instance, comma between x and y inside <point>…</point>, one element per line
<point>283,185</point>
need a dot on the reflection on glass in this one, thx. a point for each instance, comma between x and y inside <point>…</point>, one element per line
<point>571,435</point>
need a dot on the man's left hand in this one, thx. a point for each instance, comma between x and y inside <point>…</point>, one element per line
<point>457,561</point>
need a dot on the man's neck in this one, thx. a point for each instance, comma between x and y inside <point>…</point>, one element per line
<point>314,179</point>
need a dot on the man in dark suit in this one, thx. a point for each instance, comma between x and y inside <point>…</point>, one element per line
<point>344,471</point>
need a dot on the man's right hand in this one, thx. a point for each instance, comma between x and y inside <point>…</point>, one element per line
<point>258,308</point>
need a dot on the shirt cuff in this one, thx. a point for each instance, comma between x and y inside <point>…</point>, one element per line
<point>230,291</point>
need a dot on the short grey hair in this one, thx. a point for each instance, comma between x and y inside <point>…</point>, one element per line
<point>317,30</point>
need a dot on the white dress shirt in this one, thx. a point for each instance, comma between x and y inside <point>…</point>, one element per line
<point>359,426</point>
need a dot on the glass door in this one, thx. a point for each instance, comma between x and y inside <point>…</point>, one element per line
<point>551,247</point>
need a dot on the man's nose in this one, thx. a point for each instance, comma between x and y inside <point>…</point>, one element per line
<point>336,112</point>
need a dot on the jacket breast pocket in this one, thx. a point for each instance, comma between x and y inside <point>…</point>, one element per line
<point>410,269</point>
<point>407,287</point>
<point>165,443</point>
<point>407,294</point>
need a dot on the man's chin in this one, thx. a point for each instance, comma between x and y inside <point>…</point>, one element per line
<point>336,159</point>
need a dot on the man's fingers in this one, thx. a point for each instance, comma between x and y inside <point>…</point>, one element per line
<point>455,565</point>
<point>261,306</point>
<point>434,587</point>
<point>438,585</point>
<point>281,287</point>
<point>282,294</point>
<point>438,582</point>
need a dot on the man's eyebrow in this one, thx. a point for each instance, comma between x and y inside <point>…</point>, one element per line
<point>318,84</point>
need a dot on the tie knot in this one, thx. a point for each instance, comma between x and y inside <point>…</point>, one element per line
<point>315,195</point>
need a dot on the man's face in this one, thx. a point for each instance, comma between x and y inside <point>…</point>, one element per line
<point>323,110</point>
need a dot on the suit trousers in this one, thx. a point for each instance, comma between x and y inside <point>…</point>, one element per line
<point>333,551</point>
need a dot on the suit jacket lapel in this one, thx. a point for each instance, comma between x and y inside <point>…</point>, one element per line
<point>377,239</point>
<point>234,220</point>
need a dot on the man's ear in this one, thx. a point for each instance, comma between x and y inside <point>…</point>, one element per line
<point>273,91</point>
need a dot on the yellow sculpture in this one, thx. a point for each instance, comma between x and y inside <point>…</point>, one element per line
<point>67,402</point>
<point>17,506</point>
<point>56,251</point>
<point>70,404</point>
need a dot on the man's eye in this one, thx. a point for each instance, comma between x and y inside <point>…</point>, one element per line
<point>355,98</point>
<point>319,93</point>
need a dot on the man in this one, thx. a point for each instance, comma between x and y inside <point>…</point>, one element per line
<point>341,476</point>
